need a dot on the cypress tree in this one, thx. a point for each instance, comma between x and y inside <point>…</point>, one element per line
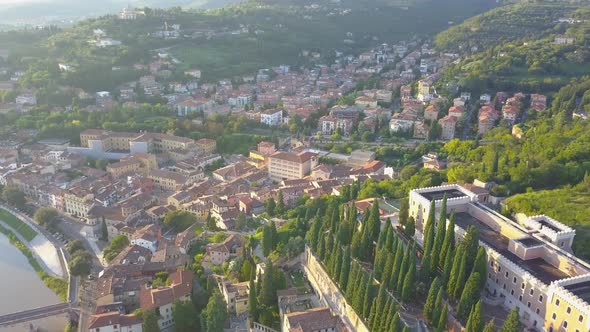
<point>461,276</point>
<point>267,241</point>
<point>447,268</point>
<point>489,326</point>
<point>314,234</point>
<point>410,227</point>
<point>402,272</point>
<point>396,323</point>
<point>379,306</point>
<point>268,293</point>
<point>439,236</point>
<point>406,329</point>
<point>390,314</point>
<point>378,264</point>
<point>449,241</point>
<point>368,297</point>
<point>345,233</point>
<point>355,247</point>
<point>335,220</point>
<point>329,248</point>
<point>383,236</point>
<point>437,306</point>
<point>481,266</point>
<point>425,272</point>
<point>454,271</point>
<point>393,245</point>
<point>390,238</point>
<point>409,286</point>
<point>397,264</point>
<point>351,280</point>
<point>430,300</point>
<point>471,243</point>
<point>383,318</point>
<point>252,302</point>
<point>345,269</point>
<point>387,269</point>
<point>475,322</point>
<point>429,229</point>
<point>337,266</point>
<point>361,289</point>
<point>512,323</point>
<point>442,321</point>
<point>373,313</point>
<point>404,208</point>
<point>365,251</point>
<point>469,296</point>
<point>322,247</point>
<point>374,221</point>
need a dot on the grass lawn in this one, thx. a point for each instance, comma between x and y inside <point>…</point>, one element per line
<point>22,228</point>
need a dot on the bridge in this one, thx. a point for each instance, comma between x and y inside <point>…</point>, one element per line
<point>32,314</point>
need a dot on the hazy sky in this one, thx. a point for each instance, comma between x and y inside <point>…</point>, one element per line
<point>12,2</point>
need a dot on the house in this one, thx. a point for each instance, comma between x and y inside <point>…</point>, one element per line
<point>403,121</point>
<point>330,124</point>
<point>288,165</point>
<point>26,99</point>
<point>431,113</point>
<point>313,320</point>
<point>456,111</point>
<point>538,102</point>
<point>448,124</point>
<point>510,113</point>
<point>271,117</point>
<point>218,253</point>
<point>564,40</point>
<point>206,146</point>
<point>161,299</point>
<point>234,295</point>
<point>365,102</point>
<point>147,237</point>
<point>115,322</point>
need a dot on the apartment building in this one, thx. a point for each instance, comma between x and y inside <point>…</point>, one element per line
<point>447,125</point>
<point>288,166</point>
<point>168,180</point>
<point>235,295</point>
<point>78,201</point>
<point>530,261</point>
<point>115,322</point>
<point>271,117</point>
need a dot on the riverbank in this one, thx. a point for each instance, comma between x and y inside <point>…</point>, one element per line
<point>57,285</point>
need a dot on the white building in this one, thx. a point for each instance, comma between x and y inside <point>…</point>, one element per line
<point>271,117</point>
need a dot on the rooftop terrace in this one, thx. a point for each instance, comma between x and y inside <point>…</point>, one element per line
<point>438,195</point>
<point>537,267</point>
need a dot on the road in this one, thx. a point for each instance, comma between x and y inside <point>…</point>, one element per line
<point>27,315</point>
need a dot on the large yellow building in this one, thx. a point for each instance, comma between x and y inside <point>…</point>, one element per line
<point>289,166</point>
<point>530,261</point>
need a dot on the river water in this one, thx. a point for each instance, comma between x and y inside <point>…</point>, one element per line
<point>20,286</point>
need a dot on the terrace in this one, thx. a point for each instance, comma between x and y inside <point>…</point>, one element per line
<point>438,195</point>
<point>581,290</point>
<point>537,267</point>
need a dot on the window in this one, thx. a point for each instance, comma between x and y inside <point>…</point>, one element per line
<point>499,268</point>
<point>520,298</point>
<point>514,280</point>
<point>506,274</point>
<point>492,263</point>
<point>512,292</point>
<point>557,302</point>
<point>581,318</point>
<point>541,298</point>
<point>489,275</point>
<point>497,281</point>
<point>537,311</point>
<point>531,292</point>
<point>565,324</point>
<point>528,304</point>
<point>569,310</point>
<point>535,323</point>
<point>504,287</point>
<point>522,286</point>
<point>553,316</point>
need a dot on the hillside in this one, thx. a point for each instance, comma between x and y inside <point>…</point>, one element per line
<point>505,23</point>
<point>541,59</point>
<point>241,38</point>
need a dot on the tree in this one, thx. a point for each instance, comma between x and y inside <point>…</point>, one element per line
<point>117,245</point>
<point>81,263</point>
<point>14,197</point>
<point>442,321</point>
<point>46,217</point>
<point>185,316</point>
<point>512,323</point>
<point>294,247</point>
<point>210,222</point>
<point>475,322</point>
<point>439,236</point>
<point>481,265</point>
<point>267,240</point>
<point>268,291</point>
<point>438,303</point>
<point>429,229</point>
<point>104,232</point>
<point>448,265</point>
<point>449,241</point>
<point>179,220</point>
<point>345,268</point>
<point>409,286</point>
<point>397,265</point>
<point>150,321</point>
<point>410,228</point>
<point>374,222</point>
<point>280,207</point>
<point>430,300</point>
<point>271,206</point>
<point>74,246</point>
<point>454,274</point>
<point>252,302</point>
<point>469,296</point>
<point>215,314</point>
<point>404,211</point>
<point>489,326</point>
<point>461,276</point>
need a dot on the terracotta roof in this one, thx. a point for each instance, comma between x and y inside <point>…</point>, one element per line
<point>312,320</point>
<point>112,318</point>
<point>292,157</point>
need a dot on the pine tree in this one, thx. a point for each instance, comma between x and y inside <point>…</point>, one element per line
<point>430,300</point>
<point>489,326</point>
<point>469,296</point>
<point>410,227</point>
<point>378,264</point>
<point>403,270</point>
<point>425,269</point>
<point>409,286</point>
<point>374,221</point>
<point>397,265</point>
<point>475,322</point>
<point>314,234</point>
<point>351,280</point>
<point>383,317</point>
<point>335,220</point>
<point>383,236</point>
<point>455,271</point>
<point>442,321</point>
<point>481,266</point>
<point>361,289</point>
<point>322,247</point>
<point>274,235</point>
<point>373,313</point>
<point>403,211</point>
<point>337,266</point>
<point>387,268</point>
<point>471,243</point>
<point>447,268</point>
<point>512,323</point>
<point>280,208</point>
<point>345,269</point>
<point>252,302</point>
<point>268,293</point>
<point>449,241</point>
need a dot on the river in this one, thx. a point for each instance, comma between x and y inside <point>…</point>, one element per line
<point>20,286</point>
